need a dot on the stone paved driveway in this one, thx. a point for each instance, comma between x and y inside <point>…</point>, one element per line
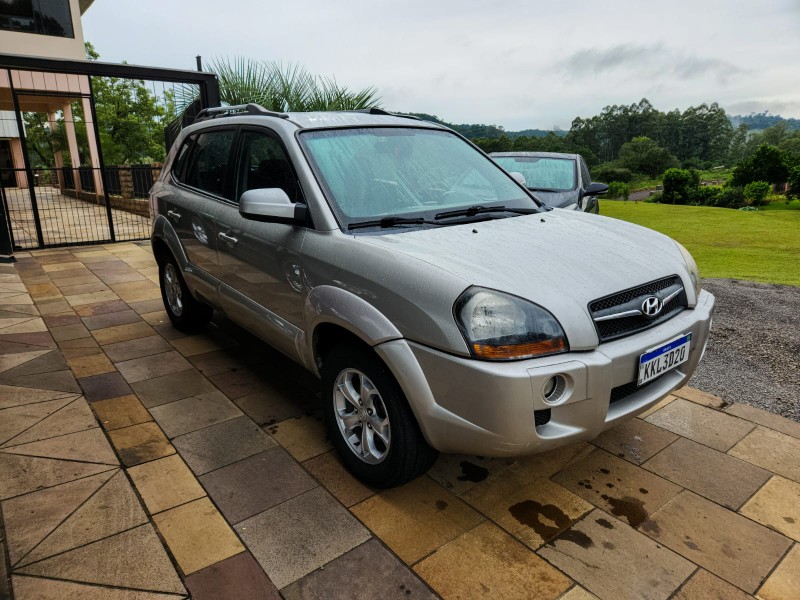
<point>137,463</point>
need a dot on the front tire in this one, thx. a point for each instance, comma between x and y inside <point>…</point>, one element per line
<point>186,313</point>
<point>369,420</point>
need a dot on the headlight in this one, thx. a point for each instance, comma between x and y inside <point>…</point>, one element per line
<point>694,273</point>
<point>498,326</point>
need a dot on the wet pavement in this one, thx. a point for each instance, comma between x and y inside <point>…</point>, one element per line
<point>140,463</point>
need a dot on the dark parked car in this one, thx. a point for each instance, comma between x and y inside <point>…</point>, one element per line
<point>559,180</point>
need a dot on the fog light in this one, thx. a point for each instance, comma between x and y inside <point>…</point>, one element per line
<point>554,388</point>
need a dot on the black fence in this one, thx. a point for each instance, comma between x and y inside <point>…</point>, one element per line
<point>105,205</point>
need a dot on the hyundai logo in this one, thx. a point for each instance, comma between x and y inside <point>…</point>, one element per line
<point>652,306</point>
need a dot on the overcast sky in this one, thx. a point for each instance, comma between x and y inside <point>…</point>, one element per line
<point>515,63</point>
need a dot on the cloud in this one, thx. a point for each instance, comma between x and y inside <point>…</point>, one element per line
<point>650,59</point>
<point>775,107</point>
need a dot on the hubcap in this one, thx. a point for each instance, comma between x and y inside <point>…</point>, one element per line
<point>172,289</point>
<point>361,416</point>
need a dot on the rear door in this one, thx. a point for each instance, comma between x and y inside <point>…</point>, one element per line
<point>259,263</point>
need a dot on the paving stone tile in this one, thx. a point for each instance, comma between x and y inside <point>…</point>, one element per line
<point>255,484</point>
<point>157,317</point>
<point>615,485</point>
<point>222,444</point>
<point>578,593</point>
<point>75,281</point>
<point>131,559</point>
<point>703,586</point>
<point>242,382</point>
<point>60,266</point>
<point>102,387</point>
<point>47,362</point>
<point>303,437</point>
<point>168,331</point>
<point>717,476</point>
<point>161,390</point>
<point>165,483</point>
<point>415,519</point>
<point>130,349</point>
<point>700,397</point>
<point>8,362</point>
<point>36,338</point>
<point>42,290</point>
<point>635,440</point>
<point>638,567</point>
<point>771,450</point>
<point>17,396</point>
<point>113,508</point>
<point>23,474</point>
<point>275,405</point>
<point>27,325</point>
<point>112,319</point>
<point>332,474</point>
<point>534,510</point>
<point>125,277</point>
<point>124,411</point>
<point>137,291</point>
<point>191,414</point>
<point>79,347</point>
<point>57,380</point>
<point>459,473</point>
<point>140,443</point>
<point>89,365</point>
<point>197,535</point>
<point>122,333</point>
<point>389,578</point>
<point>784,582</point>
<point>83,288</point>
<point>312,528</point>
<point>656,407</point>
<point>728,545</point>
<point>777,505</point>
<point>766,419</point>
<point>713,428</point>
<point>68,274</point>
<point>30,518</point>
<point>17,419</point>
<point>90,298</point>
<point>148,367</point>
<point>219,361</point>
<point>101,308</point>
<point>88,446</point>
<point>53,589</point>
<point>145,306</point>
<point>69,318</point>
<point>486,562</point>
<point>237,577</point>
<point>192,346</point>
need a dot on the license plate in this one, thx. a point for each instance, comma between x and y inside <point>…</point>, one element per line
<point>659,360</point>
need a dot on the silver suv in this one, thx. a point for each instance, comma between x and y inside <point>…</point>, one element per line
<point>443,308</point>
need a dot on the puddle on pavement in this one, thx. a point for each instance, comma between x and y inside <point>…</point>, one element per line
<point>604,523</point>
<point>530,513</point>
<point>629,507</point>
<point>441,505</point>
<point>472,472</point>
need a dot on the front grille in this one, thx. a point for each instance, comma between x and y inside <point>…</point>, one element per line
<point>623,391</point>
<point>541,417</point>
<point>631,299</point>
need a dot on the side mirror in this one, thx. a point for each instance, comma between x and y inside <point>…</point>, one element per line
<point>271,205</point>
<point>518,177</point>
<point>596,189</point>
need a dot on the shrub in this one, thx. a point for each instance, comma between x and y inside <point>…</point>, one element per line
<point>794,183</point>
<point>705,195</point>
<point>731,197</point>
<point>768,163</point>
<point>617,189</point>
<point>678,186</point>
<point>756,192</point>
<point>655,198</point>
<point>610,172</point>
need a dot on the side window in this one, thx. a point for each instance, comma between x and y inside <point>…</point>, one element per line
<point>180,159</point>
<point>208,165</point>
<point>263,164</point>
<point>586,177</point>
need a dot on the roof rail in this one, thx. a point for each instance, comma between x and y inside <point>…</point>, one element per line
<point>380,111</point>
<point>240,109</point>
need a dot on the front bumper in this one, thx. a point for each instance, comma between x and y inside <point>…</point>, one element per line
<point>487,408</point>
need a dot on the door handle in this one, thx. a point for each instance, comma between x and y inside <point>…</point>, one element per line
<point>229,239</point>
<point>174,215</point>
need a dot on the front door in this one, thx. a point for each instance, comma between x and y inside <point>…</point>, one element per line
<point>259,263</point>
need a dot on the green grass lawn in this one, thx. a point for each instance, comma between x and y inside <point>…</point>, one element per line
<point>762,245</point>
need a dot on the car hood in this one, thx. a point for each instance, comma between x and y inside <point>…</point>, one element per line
<point>561,260</point>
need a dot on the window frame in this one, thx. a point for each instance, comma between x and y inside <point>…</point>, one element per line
<point>37,22</point>
<point>229,167</point>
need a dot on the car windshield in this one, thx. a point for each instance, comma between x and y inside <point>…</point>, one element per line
<point>382,172</point>
<point>542,172</point>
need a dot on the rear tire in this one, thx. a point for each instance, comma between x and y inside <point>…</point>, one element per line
<point>369,420</point>
<point>186,313</point>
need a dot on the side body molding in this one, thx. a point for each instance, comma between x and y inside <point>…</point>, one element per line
<point>330,304</point>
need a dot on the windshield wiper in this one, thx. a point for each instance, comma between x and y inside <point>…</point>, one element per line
<point>391,222</point>
<point>476,210</point>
